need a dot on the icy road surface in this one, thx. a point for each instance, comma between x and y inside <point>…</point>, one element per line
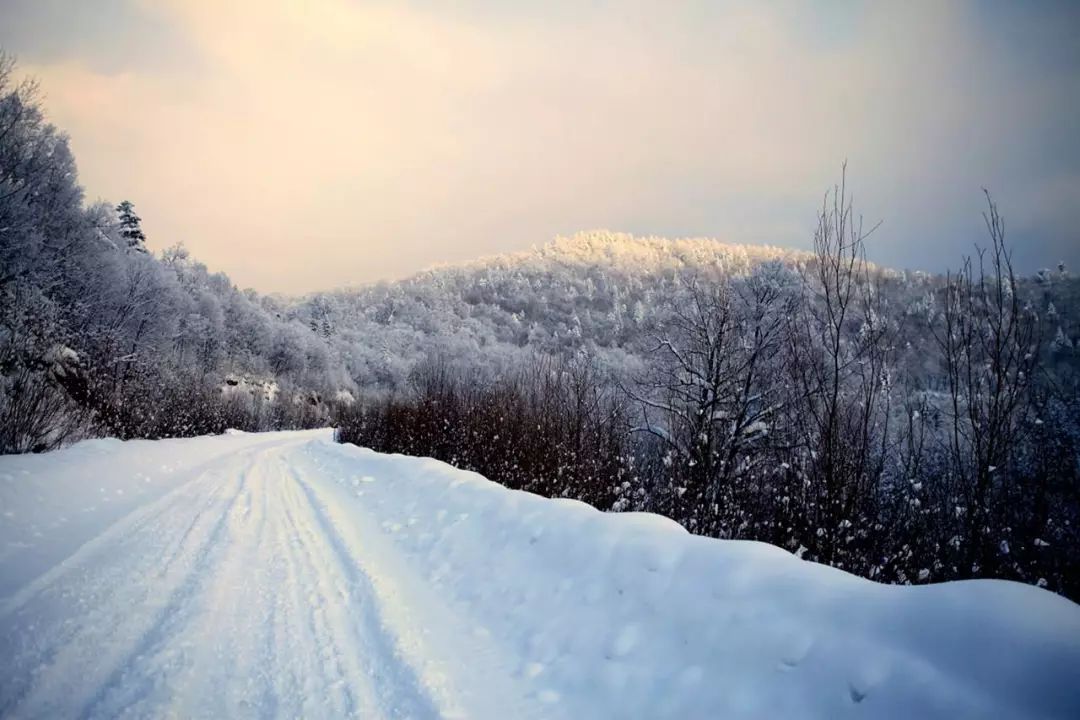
<point>280,575</point>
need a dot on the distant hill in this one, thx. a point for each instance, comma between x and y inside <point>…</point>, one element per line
<point>598,291</point>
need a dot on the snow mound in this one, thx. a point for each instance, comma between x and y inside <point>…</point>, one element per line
<point>630,616</point>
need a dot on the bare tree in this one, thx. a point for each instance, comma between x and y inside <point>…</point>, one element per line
<point>989,342</point>
<point>838,343</point>
<point>709,398</point>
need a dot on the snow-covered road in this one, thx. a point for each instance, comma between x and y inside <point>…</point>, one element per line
<point>281,575</point>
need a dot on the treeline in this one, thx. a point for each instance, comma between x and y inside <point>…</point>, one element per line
<point>796,405</point>
<point>99,336</point>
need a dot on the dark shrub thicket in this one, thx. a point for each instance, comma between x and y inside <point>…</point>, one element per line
<point>552,428</point>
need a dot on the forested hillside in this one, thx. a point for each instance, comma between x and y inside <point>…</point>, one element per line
<point>598,292</point>
<point>99,336</point>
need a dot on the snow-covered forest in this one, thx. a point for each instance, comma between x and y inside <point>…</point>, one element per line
<point>909,427</point>
<point>99,336</point>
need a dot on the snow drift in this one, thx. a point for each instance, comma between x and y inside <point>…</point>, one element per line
<point>627,615</point>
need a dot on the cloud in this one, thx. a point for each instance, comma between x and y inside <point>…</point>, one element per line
<point>301,145</point>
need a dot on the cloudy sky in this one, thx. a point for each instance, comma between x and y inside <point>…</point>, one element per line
<point>306,144</point>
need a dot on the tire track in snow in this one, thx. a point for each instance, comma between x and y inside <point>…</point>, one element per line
<point>343,586</point>
<point>92,624</point>
<point>115,603</point>
<point>184,573</point>
<point>129,525</point>
<point>235,619</point>
<point>325,673</point>
<point>418,631</point>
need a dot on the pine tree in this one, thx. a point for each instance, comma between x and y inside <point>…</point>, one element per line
<point>130,227</point>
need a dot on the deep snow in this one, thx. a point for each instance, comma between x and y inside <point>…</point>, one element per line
<point>283,575</point>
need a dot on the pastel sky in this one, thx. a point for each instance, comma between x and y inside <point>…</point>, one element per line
<point>308,144</point>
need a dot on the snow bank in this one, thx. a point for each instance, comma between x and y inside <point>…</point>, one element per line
<point>629,616</point>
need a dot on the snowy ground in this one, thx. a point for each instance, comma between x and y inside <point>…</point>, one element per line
<point>282,575</point>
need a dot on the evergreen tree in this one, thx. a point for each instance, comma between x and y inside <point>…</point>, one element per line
<point>131,227</point>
